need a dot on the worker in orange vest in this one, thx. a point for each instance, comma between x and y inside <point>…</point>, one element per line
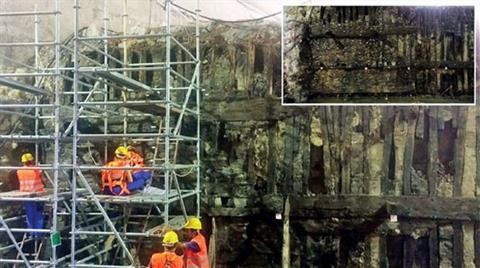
<point>31,181</point>
<point>195,252</point>
<point>168,258</point>
<point>140,176</point>
<point>115,181</point>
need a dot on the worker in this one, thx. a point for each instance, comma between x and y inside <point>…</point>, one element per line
<point>115,181</point>
<point>168,258</point>
<point>195,252</point>
<point>31,181</point>
<point>140,176</point>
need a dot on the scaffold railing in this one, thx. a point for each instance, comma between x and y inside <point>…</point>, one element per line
<point>99,230</point>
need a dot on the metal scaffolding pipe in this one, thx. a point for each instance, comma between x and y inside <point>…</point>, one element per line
<point>23,87</point>
<point>125,36</point>
<point>14,241</point>
<point>28,13</point>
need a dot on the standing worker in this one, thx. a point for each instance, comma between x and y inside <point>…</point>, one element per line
<point>195,252</point>
<point>140,176</point>
<point>168,258</point>
<point>31,181</point>
<point>115,181</point>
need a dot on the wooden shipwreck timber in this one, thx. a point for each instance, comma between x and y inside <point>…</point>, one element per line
<point>405,51</point>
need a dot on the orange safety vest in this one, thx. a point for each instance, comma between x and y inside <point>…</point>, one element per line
<point>166,260</point>
<point>199,259</point>
<point>30,180</point>
<point>116,177</point>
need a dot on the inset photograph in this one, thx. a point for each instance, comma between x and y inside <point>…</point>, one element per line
<point>378,54</point>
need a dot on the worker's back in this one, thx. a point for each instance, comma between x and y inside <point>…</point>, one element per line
<point>166,260</point>
<point>30,180</point>
<point>114,181</point>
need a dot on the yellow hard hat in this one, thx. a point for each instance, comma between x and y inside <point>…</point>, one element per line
<point>193,223</point>
<point>170,238</point>
<point>121,151</point>
<point>27,157</point>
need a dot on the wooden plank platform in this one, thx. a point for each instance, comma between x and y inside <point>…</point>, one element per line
<point>137,198</point>
<point>16,194</point>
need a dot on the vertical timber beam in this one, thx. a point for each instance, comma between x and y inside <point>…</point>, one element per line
<point>457,260</point>
<point>477,243</point>
<point>468,234</point>
<point>433,247</point>
<point>409,146</point>
<point>399,137</point>
<point>345,153</point>
<point>460,118</point>
<point>470,154</point>
<point>286,235</point>
<point>477,149</point>
<point>387,124</point>
<point>433,161</point>
<point>375,146</point>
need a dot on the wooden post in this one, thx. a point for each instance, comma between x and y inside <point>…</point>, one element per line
<point>375,152</point>
<point>433,161</point>
<point>465,57</point>
<point>286,235</point>
<point>408,159</point>
<point>387,124</point>
<point>470,154</point>
<point>347,149</point>
<point>457,259</point>
<point>374,250</point>
<point>327,156</point>
<point>477,148</point>
<point>433,247</point>
<point>212,245</point>
<point>477,244</point>
<point>468,245</point>
<point>459,151</point>
<point>399,137</point>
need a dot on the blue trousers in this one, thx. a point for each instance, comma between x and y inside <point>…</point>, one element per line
<point>140,179</point>
<point>34,213</point>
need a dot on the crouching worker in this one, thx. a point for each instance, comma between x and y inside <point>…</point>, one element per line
<point>168,258</point>
<point>115,181</point>
<point>195,252</point>
<point>140,176</point>
<point>31,181</point>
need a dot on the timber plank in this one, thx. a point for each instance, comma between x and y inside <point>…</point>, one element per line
<point>459,151</point>
<point>433,247</point>
<point>432,166</point>
<point>361,206</point>
<point>457,260</point>
<point>409,147</point>
<point>387,124</point>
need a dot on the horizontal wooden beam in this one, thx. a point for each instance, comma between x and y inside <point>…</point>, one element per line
<point>320,31</point>
<point>414,66</point>
<point>258,109</point>
<point>364,206</point>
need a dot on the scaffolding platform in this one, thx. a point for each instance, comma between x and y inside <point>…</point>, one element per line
<point>66,92</point>
<point>140,198</point>
<point>16,195</point>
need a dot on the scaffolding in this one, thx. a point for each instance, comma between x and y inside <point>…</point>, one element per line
<point>98,230</point>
